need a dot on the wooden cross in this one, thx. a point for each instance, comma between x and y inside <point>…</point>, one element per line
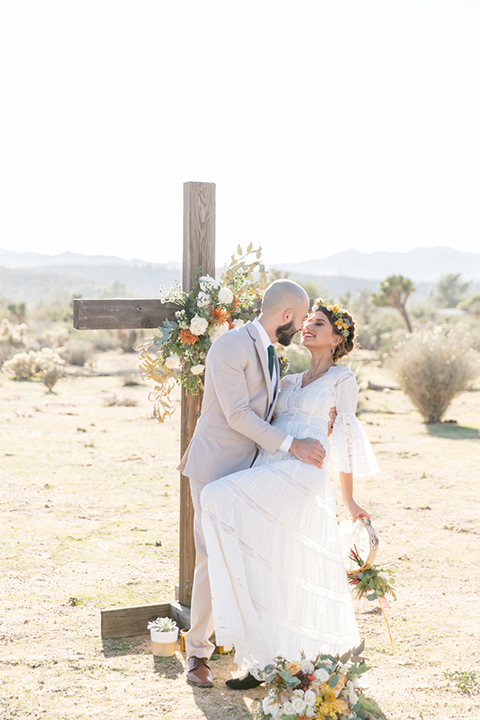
<point>89,314</point>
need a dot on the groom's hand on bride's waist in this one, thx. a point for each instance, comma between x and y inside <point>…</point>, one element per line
<point>309,451</point>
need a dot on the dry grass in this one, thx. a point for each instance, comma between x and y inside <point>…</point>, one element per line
<point>89,518</point>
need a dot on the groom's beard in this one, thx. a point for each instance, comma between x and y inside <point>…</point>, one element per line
<point>286,332</point>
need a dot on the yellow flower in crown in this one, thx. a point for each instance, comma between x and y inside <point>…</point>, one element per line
<point>344,325</point>
<point>340,323</point>
<point>333,308</point>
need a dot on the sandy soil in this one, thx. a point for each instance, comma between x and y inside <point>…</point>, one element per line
<point>89,520</point>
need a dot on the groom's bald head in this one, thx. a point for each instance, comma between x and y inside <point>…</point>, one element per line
<point>284,307</point>
<point>284,295</point>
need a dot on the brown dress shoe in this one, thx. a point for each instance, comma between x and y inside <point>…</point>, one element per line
<point>198,672</point>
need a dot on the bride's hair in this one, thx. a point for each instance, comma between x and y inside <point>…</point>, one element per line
<point>347,343</point>
<point>348,333</point>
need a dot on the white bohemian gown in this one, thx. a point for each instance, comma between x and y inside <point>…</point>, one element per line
<point>275,565</point>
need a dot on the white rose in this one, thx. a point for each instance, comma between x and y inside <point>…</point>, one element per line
<point>288,708</point>
<point>203,299</point>
<point>322,675</point>
<point>298,704</point>
<point>307,667</point>
<point>197,369</point>
<point>225,295</point>
<point>310,697</point>
<point>238,322</point>
<point>172,362</point>
<point>310,712</point>
<point>299,693</point>
<point>271,707</point>
<point>198,325</point>
<point>217,331</point>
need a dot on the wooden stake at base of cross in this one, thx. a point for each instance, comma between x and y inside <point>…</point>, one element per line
<point>132,314</point>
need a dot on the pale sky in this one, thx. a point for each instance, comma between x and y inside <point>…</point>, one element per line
<point>325,125</point>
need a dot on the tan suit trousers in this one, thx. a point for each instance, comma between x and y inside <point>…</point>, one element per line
<point>201,618</point>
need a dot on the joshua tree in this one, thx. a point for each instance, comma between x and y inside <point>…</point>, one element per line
<point>450,290</point>
<point>394,292</point>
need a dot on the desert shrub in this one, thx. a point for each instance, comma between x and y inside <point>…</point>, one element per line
<point>433,366</point>
<point>45,364</point>
<point>6,352</point>
<point>48,366</point>
<point>55,337</point>
<point>21,366</point>
<point>77,352</point>
<point>11,334</point>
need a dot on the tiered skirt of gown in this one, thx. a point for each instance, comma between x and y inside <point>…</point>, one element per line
<point>275,564</point>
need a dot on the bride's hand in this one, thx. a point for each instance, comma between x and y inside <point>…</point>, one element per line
<point>355,510</point>
<point>331,422</point>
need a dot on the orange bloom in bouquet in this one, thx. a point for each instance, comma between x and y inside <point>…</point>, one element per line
<point>293,668</point>
<point>188,338</point>
<point>218,315</point>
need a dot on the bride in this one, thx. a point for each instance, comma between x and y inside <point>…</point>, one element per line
<point>275,565</point>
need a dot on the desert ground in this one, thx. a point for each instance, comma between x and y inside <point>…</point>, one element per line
<point>89,510</point>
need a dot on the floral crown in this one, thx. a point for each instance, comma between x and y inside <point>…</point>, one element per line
<point>342,321</point>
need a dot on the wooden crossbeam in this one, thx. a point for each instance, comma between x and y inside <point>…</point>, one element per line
<point>108,314</point>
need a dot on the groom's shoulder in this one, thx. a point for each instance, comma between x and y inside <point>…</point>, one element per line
<point>234,340</point>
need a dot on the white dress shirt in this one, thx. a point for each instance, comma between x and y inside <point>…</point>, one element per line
<point>266,342</point>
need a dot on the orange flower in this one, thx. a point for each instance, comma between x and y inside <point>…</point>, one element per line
<point>293,668</point>
<point>230,324</point>
<point>235,302</point>
<point>188,338</point>
<point>218,315</point>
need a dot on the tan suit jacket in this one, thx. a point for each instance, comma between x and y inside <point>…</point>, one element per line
<point>237,407</point>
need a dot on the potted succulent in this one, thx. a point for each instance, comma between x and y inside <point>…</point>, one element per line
<point>163,634</point>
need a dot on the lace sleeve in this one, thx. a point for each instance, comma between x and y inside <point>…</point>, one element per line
<point>351,449</point>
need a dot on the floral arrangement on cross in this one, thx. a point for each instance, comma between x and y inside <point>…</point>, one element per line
<point>177,354</point>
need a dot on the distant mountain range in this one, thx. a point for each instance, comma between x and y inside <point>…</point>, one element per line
<point>420,264</point>
<point>33,277</point>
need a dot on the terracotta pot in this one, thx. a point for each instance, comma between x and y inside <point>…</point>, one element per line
<point>164,644</point>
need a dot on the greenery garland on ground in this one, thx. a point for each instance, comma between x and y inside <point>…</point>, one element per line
<point>177,354</point>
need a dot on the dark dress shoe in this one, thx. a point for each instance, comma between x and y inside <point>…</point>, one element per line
<point>245,683</point>
<point>198,672</point>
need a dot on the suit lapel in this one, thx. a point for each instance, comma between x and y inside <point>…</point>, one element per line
<point>257,340</point>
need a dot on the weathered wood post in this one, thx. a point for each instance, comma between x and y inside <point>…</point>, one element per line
<point>198,252</point>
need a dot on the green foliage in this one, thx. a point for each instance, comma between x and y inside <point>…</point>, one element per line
<point>433,366</point>
<point>298,358</point>
<point>162,624</point>
<point>18,312</point>
<point>394,292</point>
<point>450,290</point>
<point>471,305</point>
<point>465,680</point>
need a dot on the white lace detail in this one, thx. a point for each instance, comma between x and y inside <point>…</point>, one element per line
<point>350,447</point>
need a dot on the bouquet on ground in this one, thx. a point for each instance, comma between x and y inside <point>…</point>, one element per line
<point>326,689</point>
<point>211,308</point>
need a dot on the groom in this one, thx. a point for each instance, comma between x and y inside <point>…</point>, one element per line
<point>241,386</point>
